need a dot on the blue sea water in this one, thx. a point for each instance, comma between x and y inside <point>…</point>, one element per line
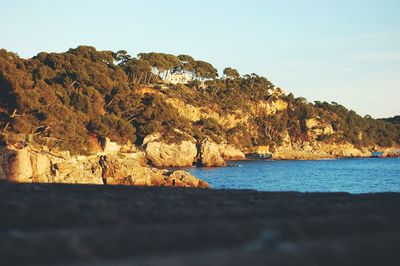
<point>346,175</point>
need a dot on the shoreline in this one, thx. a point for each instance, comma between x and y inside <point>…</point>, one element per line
<point>114,165</point>
<point>276,160</point>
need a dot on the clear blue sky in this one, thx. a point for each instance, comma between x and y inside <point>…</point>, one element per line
<point>343,51</point>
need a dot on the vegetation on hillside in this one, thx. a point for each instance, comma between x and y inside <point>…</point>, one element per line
<point>394,120</point>
<point>63,98</point>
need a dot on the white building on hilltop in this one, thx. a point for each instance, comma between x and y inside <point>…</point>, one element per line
<point>177,77</point>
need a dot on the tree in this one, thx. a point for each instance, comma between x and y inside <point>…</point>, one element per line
<point>205,70</point>
<point>122,56</point>
<point>187,62</point>
<point>231,73</point>
<point>160,62</point>
<point>138,71</point>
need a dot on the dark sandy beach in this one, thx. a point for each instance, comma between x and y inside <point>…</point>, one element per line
<point>111,225</point>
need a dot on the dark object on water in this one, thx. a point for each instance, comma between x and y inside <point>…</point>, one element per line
<point>259,156</point>
<point>377,154</point>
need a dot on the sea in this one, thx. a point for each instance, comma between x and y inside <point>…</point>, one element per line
<point>340,175</point>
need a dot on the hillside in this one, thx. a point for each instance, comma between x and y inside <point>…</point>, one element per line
<point>64,100</point>
<point>394,120</point>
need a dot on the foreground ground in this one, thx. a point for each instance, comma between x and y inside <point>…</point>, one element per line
<point>107,225</point>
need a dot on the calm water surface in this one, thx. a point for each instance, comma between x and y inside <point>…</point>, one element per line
<point>349,175</point>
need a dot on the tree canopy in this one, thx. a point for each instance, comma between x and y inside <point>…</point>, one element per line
<point>231,73</point>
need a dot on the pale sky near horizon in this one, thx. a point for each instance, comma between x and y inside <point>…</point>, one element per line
<point>342,51</point>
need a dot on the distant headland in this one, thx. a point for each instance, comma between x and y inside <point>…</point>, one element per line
<point>99,111</point>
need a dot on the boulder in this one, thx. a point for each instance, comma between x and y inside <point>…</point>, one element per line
<point>163,154</point>
<point>185,179</point>
<point>41,166</point>
<point>123,171</point>
<point>151,138</point>
<point>110,147</point>
<point>83,171</point>
<point>210,154</point>
<point>230,152</point>
<point>126,171</point>
<point>16,165</point>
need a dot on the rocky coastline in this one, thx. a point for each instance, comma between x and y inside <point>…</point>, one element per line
<point>114,165</point>
<point>22,160</point>
<point>56,108</point>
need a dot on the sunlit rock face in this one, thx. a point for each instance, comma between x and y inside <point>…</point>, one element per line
<point>210,154</point>
<point>187,152</point>
<point>33,164</point>
<point>162,154</point>
<point>230,152</point>
<point>317,128</point>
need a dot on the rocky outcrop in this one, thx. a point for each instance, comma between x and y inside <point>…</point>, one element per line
<point>188,111</point>
<point>38,164</point>
<point>230,152</point>
<point>306,150</point>
<point>16,165</point>
<point>162,154</point>
<point>184,153</point>
<point>183,179</point>
<point>210,154</point>
<point>110,147</point>
<point>195,113</point>
<point>269,107</point>
<point>316,128</point>
<point>124,170</point>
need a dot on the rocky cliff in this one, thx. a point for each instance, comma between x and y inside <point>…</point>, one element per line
<point>211,151</point>
<point>189,152</point>
<point>318,143</point>
<point>162,154</point>
<point>38,164</point>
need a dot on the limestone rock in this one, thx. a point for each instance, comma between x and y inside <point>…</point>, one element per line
<point>16,165</point>
<point>182,178</point>
<point>210,154</point>
<point>230,152</point>
<point>151,138</point>
<point>317,128</point>
<point>186,110</point>
<point>41,166</point>
<point>129,148</point>
<point>83,171</point>
<point>309,150</point>
<point>163,154</point>
<point>195,113</point>
<point>110,147</point>
<point>38,164</point>
<point>124,171</point>
<point>270,107</point>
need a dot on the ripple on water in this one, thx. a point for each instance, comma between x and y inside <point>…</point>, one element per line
<point>347,175</point>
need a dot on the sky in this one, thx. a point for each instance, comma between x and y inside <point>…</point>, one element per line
<point>342,51</point>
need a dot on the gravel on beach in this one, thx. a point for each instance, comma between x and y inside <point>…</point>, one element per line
<point>49,224</point>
